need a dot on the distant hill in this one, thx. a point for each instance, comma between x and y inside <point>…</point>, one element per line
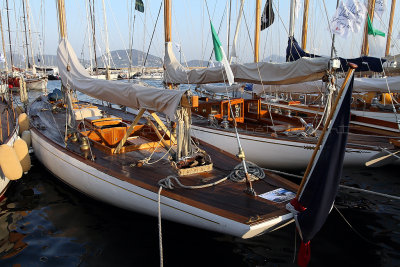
<point>120,60</point>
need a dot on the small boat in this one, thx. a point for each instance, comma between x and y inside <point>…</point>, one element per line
<point>37,84</point>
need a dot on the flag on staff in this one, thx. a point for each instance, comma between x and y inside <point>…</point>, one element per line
<point>376,41</point>
<point>316,198</point>
<point>139,6</point>
<point>268,16</point>
<point>220,55</point>
<point>349,17</point>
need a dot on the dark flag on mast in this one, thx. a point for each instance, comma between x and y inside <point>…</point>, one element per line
<point>318,195</point>
<point>268,16</point>
<point>139,6</point>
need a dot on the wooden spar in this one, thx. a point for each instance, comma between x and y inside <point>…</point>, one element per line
<point>129,131</point>
<point>163,127</point>
<point>305,25</point>
<point>389,35</point>
<point>4,46</point>
<point>167,20</point>
<point>61,19</point>
<point>321,138</point>
<point>257,31</point>
<point>9,37</point>
<point>371,9</point>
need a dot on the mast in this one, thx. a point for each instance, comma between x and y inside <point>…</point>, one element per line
<point>61,19</point>
<point>371,9</point>
<point>291,22</point>
<point>29,31</point>
<point>167,20</point>
<point>26,38</point>
<point>107,46</point>
<point>9,37</point>
<point>333,37</point>
<point>92,19</point>
<point>257,31</point>
<point>305,25</point>
<point>4,46</point>
<point>389,35</point>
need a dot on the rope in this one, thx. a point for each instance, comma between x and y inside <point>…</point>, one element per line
<point>352,228</point>
<point>237,175</point>
<point>169,184</point>
<point>341,186</point>
<point>159,227</point>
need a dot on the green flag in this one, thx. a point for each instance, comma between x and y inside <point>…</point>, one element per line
<point>217,44</point>
<point>220,56</point>
<point>139,6</point>
<point>372,31</point>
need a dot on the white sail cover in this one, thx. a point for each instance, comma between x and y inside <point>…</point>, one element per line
<point>121,93</point>
<point>220,89</point>
<point>360,85</point>
<point>302,70</point>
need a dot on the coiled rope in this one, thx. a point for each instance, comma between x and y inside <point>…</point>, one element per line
<point>237,175</point>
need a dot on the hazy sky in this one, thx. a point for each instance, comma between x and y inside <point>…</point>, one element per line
<point>190,27</point>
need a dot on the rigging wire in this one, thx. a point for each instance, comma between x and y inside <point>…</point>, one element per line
<point>152,35</point>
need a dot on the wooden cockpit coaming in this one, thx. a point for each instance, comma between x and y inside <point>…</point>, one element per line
<point>226,199</point>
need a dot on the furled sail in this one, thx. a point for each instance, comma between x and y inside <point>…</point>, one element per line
<point>131,95</point>
<point>305,69</point>
<point>294,52</point>
<point>360,85</point>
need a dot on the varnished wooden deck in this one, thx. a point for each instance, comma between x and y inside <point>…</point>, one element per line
<point>226,199</point>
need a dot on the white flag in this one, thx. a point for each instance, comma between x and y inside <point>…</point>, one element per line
<point>178,46</point>
<point>348,17</point>
<point>2,59</point>
<point>380,7</point>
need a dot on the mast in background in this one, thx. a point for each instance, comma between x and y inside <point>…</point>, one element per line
<point>4,46</point>
<point>107,46</point>
<point>9,37</point>
<point>27,63</point>
<point>389,35</point>
<point>305,25</point>
<point>371,9</point>
<point>257,31</point>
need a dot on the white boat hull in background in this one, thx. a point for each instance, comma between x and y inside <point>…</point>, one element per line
<point>83,176</point>
<point>4,181</point>
<point>37,84</point>
<point>273,152</point>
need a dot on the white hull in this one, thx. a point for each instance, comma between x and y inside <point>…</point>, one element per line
<point>4,181</point>
<point>37,85</point>
<point>84,177</point>
<point>272,152</point>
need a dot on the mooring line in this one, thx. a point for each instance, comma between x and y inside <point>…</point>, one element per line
<point>341,186</point>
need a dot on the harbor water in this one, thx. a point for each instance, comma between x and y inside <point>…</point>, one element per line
<point>43,222</point>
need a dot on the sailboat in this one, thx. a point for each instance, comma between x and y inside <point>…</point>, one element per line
<point>269,142</point>
<point>133,164</point>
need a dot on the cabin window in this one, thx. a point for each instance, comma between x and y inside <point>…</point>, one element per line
<point>301,97</point>
<point>215,109</point>
<point>264,107</point>
<point>253,107</point>
<point>204,110</point>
